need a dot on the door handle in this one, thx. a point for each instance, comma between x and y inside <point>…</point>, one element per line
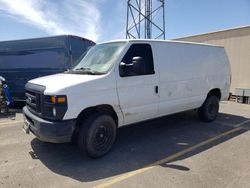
<point>156,89</point>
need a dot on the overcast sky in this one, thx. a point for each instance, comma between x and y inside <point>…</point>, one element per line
<point>101,20</point>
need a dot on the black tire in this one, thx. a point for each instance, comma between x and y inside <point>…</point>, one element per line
<point>97,135</point>
<point>209,110</point>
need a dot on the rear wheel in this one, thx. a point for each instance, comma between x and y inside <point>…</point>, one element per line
<point>97,135</point>
<point>209,110</point>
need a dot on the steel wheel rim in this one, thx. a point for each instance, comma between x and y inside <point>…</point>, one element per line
<point>102,137</point>
<point>213,109</point>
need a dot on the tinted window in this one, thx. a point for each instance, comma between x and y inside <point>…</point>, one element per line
<point>145,52</point>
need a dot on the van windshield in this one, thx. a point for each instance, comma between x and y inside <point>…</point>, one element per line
<point>99,59</point>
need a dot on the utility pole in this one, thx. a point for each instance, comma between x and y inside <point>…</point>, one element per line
<point>145,19</point>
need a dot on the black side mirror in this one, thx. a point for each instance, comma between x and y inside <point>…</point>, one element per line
<point>139,65</point>
<point>125,68</point>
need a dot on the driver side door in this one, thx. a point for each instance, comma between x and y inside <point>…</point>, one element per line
<point>138,91</point>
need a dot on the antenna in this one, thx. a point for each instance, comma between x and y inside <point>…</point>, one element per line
<point>145,19</point>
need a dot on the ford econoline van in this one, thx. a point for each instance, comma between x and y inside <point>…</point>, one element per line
<point>124,82</point>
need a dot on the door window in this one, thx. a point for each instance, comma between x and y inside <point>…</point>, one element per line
<point>137,61</point>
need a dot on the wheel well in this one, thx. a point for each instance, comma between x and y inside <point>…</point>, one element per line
<point>104,109</point>
<point>216,92</point>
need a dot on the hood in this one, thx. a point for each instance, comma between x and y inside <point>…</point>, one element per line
<point>58,82</point>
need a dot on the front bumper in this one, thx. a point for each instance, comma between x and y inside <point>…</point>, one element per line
<point>49,131</point>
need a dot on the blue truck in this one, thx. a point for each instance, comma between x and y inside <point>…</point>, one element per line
<point>23,60</point>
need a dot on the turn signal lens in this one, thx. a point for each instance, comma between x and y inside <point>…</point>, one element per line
<point>53,99</point>
<point>58,99</point>
<point>61,100</point>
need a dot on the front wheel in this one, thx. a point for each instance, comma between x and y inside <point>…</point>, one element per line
<point>97,135</point>
<point>209,110</point>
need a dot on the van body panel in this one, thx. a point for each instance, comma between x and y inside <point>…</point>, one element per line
<point>187,73</point>
<point>79,97</point>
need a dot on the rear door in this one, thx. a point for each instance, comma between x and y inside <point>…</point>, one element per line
<point>138,92</point>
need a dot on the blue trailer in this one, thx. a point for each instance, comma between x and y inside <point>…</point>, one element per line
<point>23,60</point>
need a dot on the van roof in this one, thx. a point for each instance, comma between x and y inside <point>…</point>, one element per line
<point>47,37</point>
<point>156,40</point>
<point>39,43</point>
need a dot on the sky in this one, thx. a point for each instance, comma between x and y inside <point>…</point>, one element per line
<point>102,20</point>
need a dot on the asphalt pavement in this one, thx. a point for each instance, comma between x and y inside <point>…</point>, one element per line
<point>173,151</point>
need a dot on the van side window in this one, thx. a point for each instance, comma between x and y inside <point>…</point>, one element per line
<point>143,66</point>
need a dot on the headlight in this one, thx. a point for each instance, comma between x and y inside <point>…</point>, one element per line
<point>55,107</point>
<point>54,111</point>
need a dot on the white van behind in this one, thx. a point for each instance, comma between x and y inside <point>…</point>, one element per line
<point>123,82</point>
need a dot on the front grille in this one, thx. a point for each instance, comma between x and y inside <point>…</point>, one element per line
<point>34,99</point>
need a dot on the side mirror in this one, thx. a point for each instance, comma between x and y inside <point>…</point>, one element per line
<point>124,65</point>
<point>139,65</point>
<point>125,68</point>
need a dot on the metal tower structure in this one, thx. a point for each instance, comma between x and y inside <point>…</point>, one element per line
<point>145,19</point>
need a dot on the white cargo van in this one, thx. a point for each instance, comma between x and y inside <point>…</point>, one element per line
<point>123,82</point>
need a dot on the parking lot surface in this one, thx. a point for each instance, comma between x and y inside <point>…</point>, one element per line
<point>173,151</point>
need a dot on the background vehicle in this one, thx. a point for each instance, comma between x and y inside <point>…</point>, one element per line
<point>124,82</point>
<point>6,100</point>
<point>23,60</point>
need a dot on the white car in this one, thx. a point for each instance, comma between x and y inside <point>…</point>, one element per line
<point>123,82</point>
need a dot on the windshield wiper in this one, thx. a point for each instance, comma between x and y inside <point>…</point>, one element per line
<point>87,70</point>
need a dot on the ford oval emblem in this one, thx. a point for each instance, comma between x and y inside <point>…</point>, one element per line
<point>29,99</point>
